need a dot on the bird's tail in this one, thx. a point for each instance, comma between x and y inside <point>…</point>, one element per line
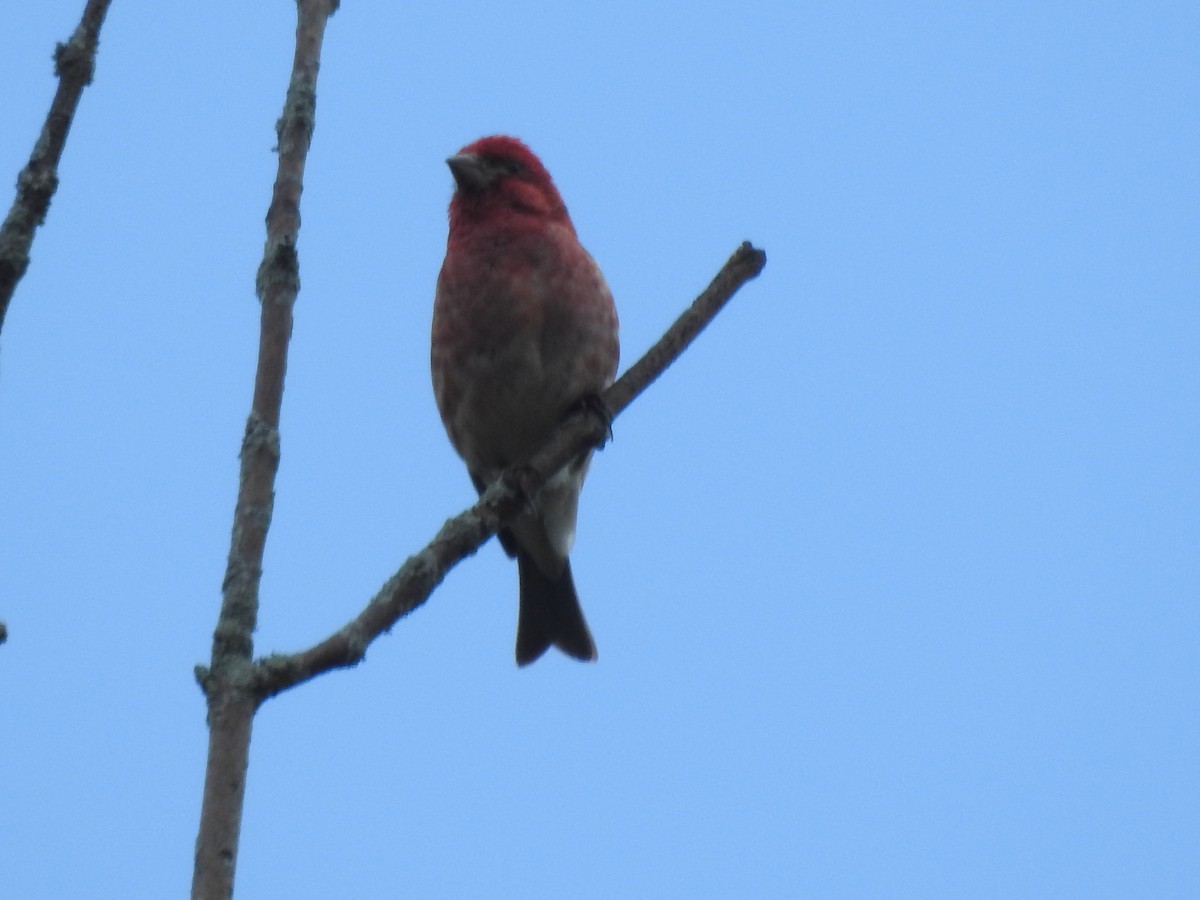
<point>550,614</point>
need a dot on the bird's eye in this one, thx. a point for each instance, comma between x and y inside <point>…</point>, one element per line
<point>506,165</point>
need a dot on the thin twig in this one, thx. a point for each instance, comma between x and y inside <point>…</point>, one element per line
<point>74,64</point>
<point>465,533</point>
<point>227,683</point>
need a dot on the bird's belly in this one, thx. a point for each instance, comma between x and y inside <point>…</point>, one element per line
<point>509,409</point>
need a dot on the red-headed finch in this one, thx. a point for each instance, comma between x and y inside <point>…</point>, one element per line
<point>524,328</point>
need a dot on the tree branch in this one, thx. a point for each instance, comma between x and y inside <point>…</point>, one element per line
<point>465,533</point>
<point>74,64</point>
<point>227,683</point>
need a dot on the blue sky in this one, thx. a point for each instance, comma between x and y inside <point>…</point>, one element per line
<point>893,577</point>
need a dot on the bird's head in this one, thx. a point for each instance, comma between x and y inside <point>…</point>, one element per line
<point>496,177</point>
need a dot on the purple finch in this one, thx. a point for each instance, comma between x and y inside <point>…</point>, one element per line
<point>524,329</point>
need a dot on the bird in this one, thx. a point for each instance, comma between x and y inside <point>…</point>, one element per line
<point>524,331</point>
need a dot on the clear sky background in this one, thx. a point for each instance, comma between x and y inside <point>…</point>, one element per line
<point>894,576</point>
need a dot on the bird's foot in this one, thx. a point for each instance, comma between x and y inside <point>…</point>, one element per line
<point>594,404</point>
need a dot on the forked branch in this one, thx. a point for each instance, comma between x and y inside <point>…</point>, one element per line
<point>231,706</point>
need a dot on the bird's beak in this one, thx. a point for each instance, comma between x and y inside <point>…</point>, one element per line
<point>470,171</point>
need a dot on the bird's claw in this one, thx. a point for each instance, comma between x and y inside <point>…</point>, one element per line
<point>523,478</point>
<point>594,404</point>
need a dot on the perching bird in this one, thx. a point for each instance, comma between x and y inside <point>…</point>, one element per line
<point>524,329</point>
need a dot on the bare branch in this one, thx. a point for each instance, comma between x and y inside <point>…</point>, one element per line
<point>74,63</point>
<point>465,533</point>
<point>231,702</point>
